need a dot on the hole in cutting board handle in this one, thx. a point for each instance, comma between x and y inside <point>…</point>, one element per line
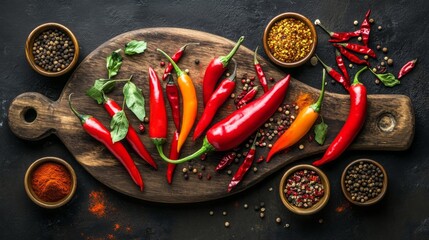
<point>29,114</point>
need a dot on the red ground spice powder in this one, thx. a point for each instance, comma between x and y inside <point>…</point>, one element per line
<point>97,204</point>
<point>51,182</point>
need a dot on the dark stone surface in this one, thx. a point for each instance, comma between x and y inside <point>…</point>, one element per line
<point>403,214</point>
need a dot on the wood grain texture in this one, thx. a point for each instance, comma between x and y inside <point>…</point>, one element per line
<point>389,124</point>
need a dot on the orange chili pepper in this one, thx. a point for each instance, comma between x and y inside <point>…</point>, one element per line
<point>190,104</point>
<point>300,126</point>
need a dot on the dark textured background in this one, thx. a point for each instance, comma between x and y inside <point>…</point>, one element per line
<point>403,214</point>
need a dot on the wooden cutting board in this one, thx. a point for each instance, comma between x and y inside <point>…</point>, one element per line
<point>389,124</point>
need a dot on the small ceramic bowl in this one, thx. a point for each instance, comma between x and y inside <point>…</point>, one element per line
<point>370,201</point>
<point>29,49</point>
<point>316,207</point>
<point>313,38</point>
<point>28,186</point>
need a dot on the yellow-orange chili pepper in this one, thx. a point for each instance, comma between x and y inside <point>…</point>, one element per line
<point>189,102</point>
<point>300,126</point>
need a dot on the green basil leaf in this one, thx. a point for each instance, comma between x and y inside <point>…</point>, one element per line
<point>388,79</point>
<point>114,63</point>
<point>320,131</point>
<point>135,47</point>
<point>119,126</point>
<point>100,86</point>
<point>134,100</point>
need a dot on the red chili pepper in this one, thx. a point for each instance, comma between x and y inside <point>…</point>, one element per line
<point>350,56</point>
<point>248,97</point>
<point>176,57</point>
<point>340,63</point>
<point>96,130</point>
<point>335,75</point>
<point>338,36</point>
<point>365,28</point>
<point>244,167</point>
<point>359,49</point>
<point>158,114</point>
<point>215,69</point>
<point>174,155</point>
<point>260,72</point>
<point>172,92</point>
<point>219,96</point>
<point>239,125</point>
<point>407,68</point>
<point>226,161</point>
<point>353,124</point>
<point>132,137</point>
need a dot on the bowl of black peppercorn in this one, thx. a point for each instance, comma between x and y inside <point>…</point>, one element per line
<point>52,49</point>
<point>364,182</point>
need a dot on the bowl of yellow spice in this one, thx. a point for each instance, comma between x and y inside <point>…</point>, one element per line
<point>290,39</point>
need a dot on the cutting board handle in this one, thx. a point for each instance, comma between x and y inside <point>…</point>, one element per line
<point>32,116</point>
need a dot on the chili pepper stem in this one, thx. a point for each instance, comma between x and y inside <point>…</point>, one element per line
<point>184,46</point>
<point>225,59</point>
<point>207,147</point>
<point>255,59</point>
<point>234,73</point>
<point>316,106</point>
<point>179,72</point>
<point>356,78</point>
<point>328,68</point>
<point>82,117</point>
<point>318,23</point>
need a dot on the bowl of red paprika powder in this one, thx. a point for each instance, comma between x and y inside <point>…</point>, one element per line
<point>50,182</point>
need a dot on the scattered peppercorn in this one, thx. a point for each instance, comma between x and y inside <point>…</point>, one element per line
<point>350,65</point>
<point>359,39</point>
<point>314,61</point>
<point>385,49</point>
<point>379,28</point>
<point>186,176</point>
<point>389,61</point>
<point>211,213</point>
<point>162,64</point>
<point>224,213</point>
<point>261,215</point>
<point>246,206</point>
<point>226,224</point>
<point>278,220</point>
<point>355,22</point>
<point>371,20</point>
<point>187,71</point>
<point>197,61</point>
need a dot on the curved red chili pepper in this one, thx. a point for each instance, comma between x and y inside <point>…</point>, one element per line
<point>407,68</point>
<point>219,96</point>
<point>248,97</point>
<point>96,130</point>
<point>353,124</point>
<point>365,28</point>
<point>239,125</point>
<point>172,92</point>
<point>338,36</point>
<point>132,137</point>
<point>174,155</point>
<point>350,56</point>
<point>214,71</point>
<point>335,75</point>
<point>359,49</point>
<point>226,160</point>
<point>259,72</point>
<point>340,63</point>
<point>176,57</point>
<point>158,114</point>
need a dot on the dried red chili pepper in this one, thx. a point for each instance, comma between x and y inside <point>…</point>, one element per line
<point>244,167</point>
<point>365,28</point>
<point>260,72</point>
<point>176,57</point>
<point>248,97</point>
<point>96,130</point>
<point>407,68</point>
<point>239,125</point>
<point>340,63</point>
<point>219,96</point>
<point>338,36</point>
<point>215,69</point>
<point>158,114</point>
<point>174,155</point>
<point>172,92</point>
<point>359,49</point>
<point>335,75</point>
<point>132,137</point>
<point>350,56</point>
<point>353,124</point>
<point>226,160</point>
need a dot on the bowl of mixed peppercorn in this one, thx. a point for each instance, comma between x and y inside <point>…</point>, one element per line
<point>304,189</point>
<point>290,39</point>
<point>52,49</point>
<point>364,182</point>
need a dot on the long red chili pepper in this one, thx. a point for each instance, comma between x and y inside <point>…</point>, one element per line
<point>335,75</point>
<point>158,113</point>
<point>219,96</point>
<point>407,68</point>
<point>248,97</point>
<point>174,155</point>
<point>239,125</point>
<point>215,69</point>
<point>132,137</point>
<point>338,36</point>
<point>226,161</point>
<point>350,56</point>
<point>96,130</point>
<point>173,99</point>
<point>353,124</point>
<point>244,167</point>
<point>259,72</point>
<point>340,63</point>
<point>176,57</point>
<point>365,28</point>
<point>359,49</point>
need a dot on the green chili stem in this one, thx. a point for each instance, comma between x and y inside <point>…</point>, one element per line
<point>324,28</point>
<point>316,106</point>
<point>179,72</point>
<point>207,147</point>
<point>356,78</point>
<point>255,59</point>
<point>234,73</point>
<point>328,68</point>
<point>82,117</point>
<point>225,59</point>
<point>184,46</point>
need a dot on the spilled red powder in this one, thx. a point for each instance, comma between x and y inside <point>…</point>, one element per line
<point>128,229</point>
<point>341,208</point>
<point>97,204</point>
<point>110,236</point>
<point>116,227</point>
<point>304,99</point>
